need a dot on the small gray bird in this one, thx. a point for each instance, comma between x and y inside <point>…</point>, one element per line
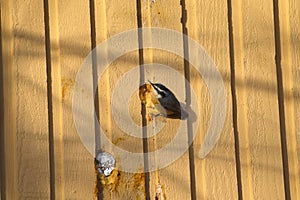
<point>161,101</point>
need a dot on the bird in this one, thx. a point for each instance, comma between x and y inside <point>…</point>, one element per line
<point>160,101</point>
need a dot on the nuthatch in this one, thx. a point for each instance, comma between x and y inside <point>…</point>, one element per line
<point>160,101</point>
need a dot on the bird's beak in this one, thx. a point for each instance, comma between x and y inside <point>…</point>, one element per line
<point>151,83</point>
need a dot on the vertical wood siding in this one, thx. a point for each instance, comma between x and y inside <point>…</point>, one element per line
<point>254,43</point>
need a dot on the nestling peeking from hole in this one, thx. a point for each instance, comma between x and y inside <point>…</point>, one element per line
<point>160,101</point>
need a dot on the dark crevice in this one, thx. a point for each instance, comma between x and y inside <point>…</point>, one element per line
<point>281,102</point>
<point>188,99</point>
<point>143,108</point>
<point>234,103</point>
<point>49,99</point>
<point>98,185</point>
<point>95,73</point>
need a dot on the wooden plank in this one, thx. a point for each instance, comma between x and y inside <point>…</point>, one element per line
<point>114,17</point>
<point>27,173</point>
<point>173,181</point>
<point>146,20</point>
<point>9,170</point>
<point>289,41</point>
<point>295,38</point>
<point>58,160</point>
<point>32,122</point>
<point>207,24</point>
<point>74,45</point>
<point>257,106</point>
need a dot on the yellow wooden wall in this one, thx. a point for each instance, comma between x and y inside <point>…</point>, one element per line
<point>254,43</point>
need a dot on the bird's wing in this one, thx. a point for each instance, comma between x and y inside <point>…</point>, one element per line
<point>173,106</point>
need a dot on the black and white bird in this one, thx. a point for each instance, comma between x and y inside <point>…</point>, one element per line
<point>160,101</point>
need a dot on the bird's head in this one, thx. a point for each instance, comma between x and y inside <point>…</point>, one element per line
<point>160,90</point>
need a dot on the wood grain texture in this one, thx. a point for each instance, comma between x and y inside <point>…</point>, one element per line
<point>242,96</point>
<point>74,45</point>
<point>257,106</point>
<point>32,122</point>
<point>41,160</point>
<point>9,164</point>
<point>207,24</point>
<point>57,111</point>
<point>289,40</point>
<point>295,53</point>
<point>114,17</point>
<point>167,14</point>
<point>146,19</point>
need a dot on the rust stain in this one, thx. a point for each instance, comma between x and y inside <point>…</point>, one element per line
<point>112,181</point>
<point>66,86</point>
<point>118,140</point>
<point>109,183</point>
<point>139,185</point>
<point>139,181</point>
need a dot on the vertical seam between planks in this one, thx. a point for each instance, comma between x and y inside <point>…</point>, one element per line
<point>241,100</point>
<point>188,98</point>
<point>57,103</point>
<point>98,186</point>
<point>281,101</point>
<point>49,100</point>
<point>201,166</point>
<point>234,102</point>
<point>288,85</point>
<point>143,108</point>
<point>95,71</point>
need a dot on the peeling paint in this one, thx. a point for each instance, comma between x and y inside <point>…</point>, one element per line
<point>139,184</point>
<point>111,182</point>
<point>160,193</point>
